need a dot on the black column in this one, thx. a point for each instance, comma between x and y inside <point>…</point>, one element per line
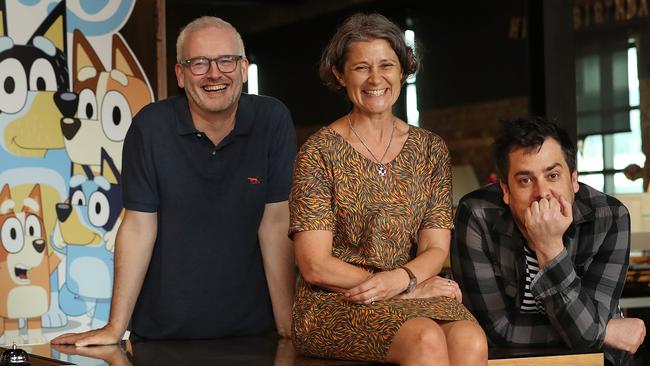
<point>552,62</point>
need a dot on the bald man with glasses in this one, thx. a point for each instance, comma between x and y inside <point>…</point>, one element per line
<point>203,250</point>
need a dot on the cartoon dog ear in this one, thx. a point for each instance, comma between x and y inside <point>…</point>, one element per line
<point>109,169</point>
<point>5,194</point>
<point>76,169</point>
<point>83,54</point>
<point>53,28</point>
<point>34,195</point>
<point>124,60</point>
<point>81,169</point>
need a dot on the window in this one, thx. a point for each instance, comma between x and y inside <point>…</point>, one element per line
<point>252,79</point>
<point>609,120</point>
<point>412,113</point>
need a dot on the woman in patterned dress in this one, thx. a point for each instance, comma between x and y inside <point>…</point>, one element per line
<point>371,219</point>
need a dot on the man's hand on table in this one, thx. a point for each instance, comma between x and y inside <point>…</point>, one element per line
<point>625,334</point>
<point>101,336</point>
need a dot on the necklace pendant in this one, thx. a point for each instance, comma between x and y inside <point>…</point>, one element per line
<point>381,169</point>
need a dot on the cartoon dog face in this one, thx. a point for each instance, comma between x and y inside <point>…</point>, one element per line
<point>24,271</point>
<point>94,205</point>
<point>30,76</point>
<point>108,100</point>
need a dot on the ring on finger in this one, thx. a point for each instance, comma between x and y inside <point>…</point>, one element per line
<point>448,282</point>
<point>372,300</point>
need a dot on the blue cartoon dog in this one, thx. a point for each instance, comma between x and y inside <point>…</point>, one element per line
<point>92,210</point>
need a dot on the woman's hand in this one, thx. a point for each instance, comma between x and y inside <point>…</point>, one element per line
<point>379,286</point>
<point>435,286</point>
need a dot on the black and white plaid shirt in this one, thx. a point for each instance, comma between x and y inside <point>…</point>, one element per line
<point>579,289</point>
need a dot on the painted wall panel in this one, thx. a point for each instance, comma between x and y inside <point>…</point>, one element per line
<point>69,87</point>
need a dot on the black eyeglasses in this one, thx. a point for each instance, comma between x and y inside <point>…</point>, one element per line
<point>201,65</point>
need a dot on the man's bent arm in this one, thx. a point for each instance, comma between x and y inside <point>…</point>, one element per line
<point>483,288</point>
<point>579,307</point>
<point>133,249</point>
<point>279,265</point>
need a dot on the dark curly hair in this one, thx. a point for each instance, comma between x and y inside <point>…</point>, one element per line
<point>364,27</point>
<point>529,133</point>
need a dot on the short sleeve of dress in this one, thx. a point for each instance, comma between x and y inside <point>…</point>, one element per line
<point>438,214</point>
<point>310,201</point>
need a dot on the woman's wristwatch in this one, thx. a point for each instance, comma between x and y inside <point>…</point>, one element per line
<point>413,281</point>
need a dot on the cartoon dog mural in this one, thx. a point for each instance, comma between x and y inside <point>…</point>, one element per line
<point>43,127</point>
<point>25,267</point>
<point>35,78</point>
<point>92,210</point>
<point>108,100</point>
<point>36,89</point>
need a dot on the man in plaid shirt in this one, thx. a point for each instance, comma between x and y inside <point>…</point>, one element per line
<point>541,235</point>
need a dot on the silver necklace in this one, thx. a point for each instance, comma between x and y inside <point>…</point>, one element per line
<point>381,168</point>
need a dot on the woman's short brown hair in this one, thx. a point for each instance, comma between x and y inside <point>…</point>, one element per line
<point>364,27</point>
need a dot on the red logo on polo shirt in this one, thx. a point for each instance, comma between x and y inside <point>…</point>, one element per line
<point>254,180</point>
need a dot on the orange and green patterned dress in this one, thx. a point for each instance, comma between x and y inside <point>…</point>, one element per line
<point>375,222</point>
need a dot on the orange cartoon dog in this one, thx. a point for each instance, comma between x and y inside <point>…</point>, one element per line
<point>24,267</point>
<point>108,100</point>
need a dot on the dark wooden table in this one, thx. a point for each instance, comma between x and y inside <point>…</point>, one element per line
<point>261,350</point>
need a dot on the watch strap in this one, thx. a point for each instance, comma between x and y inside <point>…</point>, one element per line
<point>412,279</point>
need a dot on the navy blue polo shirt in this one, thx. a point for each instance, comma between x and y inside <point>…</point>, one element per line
<point>206,277</point>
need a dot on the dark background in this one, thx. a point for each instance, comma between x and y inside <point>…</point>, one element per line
<point>464,48</point>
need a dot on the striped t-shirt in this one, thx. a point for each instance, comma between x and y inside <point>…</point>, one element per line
<point>530,304</point>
